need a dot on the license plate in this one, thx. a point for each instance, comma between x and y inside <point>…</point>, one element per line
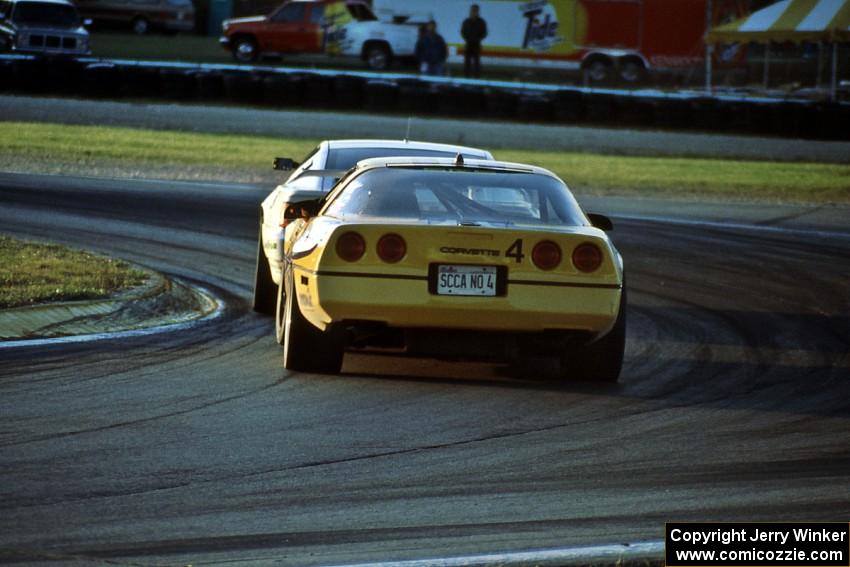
<point>466,280</point>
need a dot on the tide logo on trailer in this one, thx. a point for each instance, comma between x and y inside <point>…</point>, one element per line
<point>541,27</point>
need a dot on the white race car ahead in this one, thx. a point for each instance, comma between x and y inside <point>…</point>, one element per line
<point>315,176</point>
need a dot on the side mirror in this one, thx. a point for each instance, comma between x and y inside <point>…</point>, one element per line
<point>285,164</point>
<point>302,209</point>
<point>600,221</point>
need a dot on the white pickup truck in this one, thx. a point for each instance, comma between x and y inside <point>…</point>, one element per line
<point>335,27</point>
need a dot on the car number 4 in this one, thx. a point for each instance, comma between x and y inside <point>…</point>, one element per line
<point>515,251</point>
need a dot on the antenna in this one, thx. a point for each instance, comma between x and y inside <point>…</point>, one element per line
<point>407,134</point>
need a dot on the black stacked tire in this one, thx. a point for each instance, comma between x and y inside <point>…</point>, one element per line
<point>380,95</point>
<point>141,81</point>
<point>601,108</point>
<point>177,84</point>
<point>568,106</point>
<point>415,97</point>
<point>637,111</point>
<point>348,91</point>
<point>535,108</point>
<point>7,76</point>
<point>243,87</point>
<point>102,80</point>
<point>500,103</point>
<point>318,91</point>
<point>30,75</point>
<point>210,85</point>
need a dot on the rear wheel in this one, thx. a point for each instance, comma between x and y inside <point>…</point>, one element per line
<point>378,56</point>
<point>305,348</point>
<point>632,71</point>
<point>265,290</point>
<point>602,360</point>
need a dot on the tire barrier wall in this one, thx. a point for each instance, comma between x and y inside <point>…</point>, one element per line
<point>411,94</point>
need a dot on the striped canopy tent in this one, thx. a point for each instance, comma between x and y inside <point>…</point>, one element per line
<point>790,20</point>
<point>817,21</point>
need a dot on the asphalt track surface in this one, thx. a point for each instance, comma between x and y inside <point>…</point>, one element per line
<point>197,447</point>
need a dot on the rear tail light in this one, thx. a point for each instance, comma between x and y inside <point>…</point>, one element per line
<point>391,248</point>
<point>587,257</point>
<point>546,255</point>
<point>350,247</point>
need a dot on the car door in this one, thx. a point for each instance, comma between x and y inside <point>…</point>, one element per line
<point>288,30</point>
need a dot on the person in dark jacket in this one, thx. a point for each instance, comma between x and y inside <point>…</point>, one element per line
<point>431,51</point>
<point>473,31</point>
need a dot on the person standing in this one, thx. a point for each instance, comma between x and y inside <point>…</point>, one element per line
<point>473,31</point>
<point>431,51</point>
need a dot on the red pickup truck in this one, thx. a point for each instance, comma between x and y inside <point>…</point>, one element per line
<point>343,27</point>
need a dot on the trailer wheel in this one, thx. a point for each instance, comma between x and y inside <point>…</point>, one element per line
<point>598,69</point>
<point>632,70</point>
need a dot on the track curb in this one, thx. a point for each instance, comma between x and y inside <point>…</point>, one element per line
<point>160,301</point>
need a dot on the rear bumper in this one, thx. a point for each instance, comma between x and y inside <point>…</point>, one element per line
<point>405,302</point>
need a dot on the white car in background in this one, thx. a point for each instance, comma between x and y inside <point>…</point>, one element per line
<point>312,178</point>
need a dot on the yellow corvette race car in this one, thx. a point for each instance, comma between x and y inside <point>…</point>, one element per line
<point>451,258</point>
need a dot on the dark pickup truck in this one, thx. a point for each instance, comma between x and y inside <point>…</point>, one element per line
<point>46,27</point>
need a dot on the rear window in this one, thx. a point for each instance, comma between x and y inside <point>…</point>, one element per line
<point>46,14</point>
<point>458,195</point>
<point>346,158</point>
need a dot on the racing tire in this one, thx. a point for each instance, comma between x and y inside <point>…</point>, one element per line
<point>602,360</point>
<point>265,290</point>
<point>140,25</point>
<point>305,348</point>
<point>245,49</point>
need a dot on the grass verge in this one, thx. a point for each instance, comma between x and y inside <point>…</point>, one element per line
<point>117,150</point>
<point>33,273</point>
